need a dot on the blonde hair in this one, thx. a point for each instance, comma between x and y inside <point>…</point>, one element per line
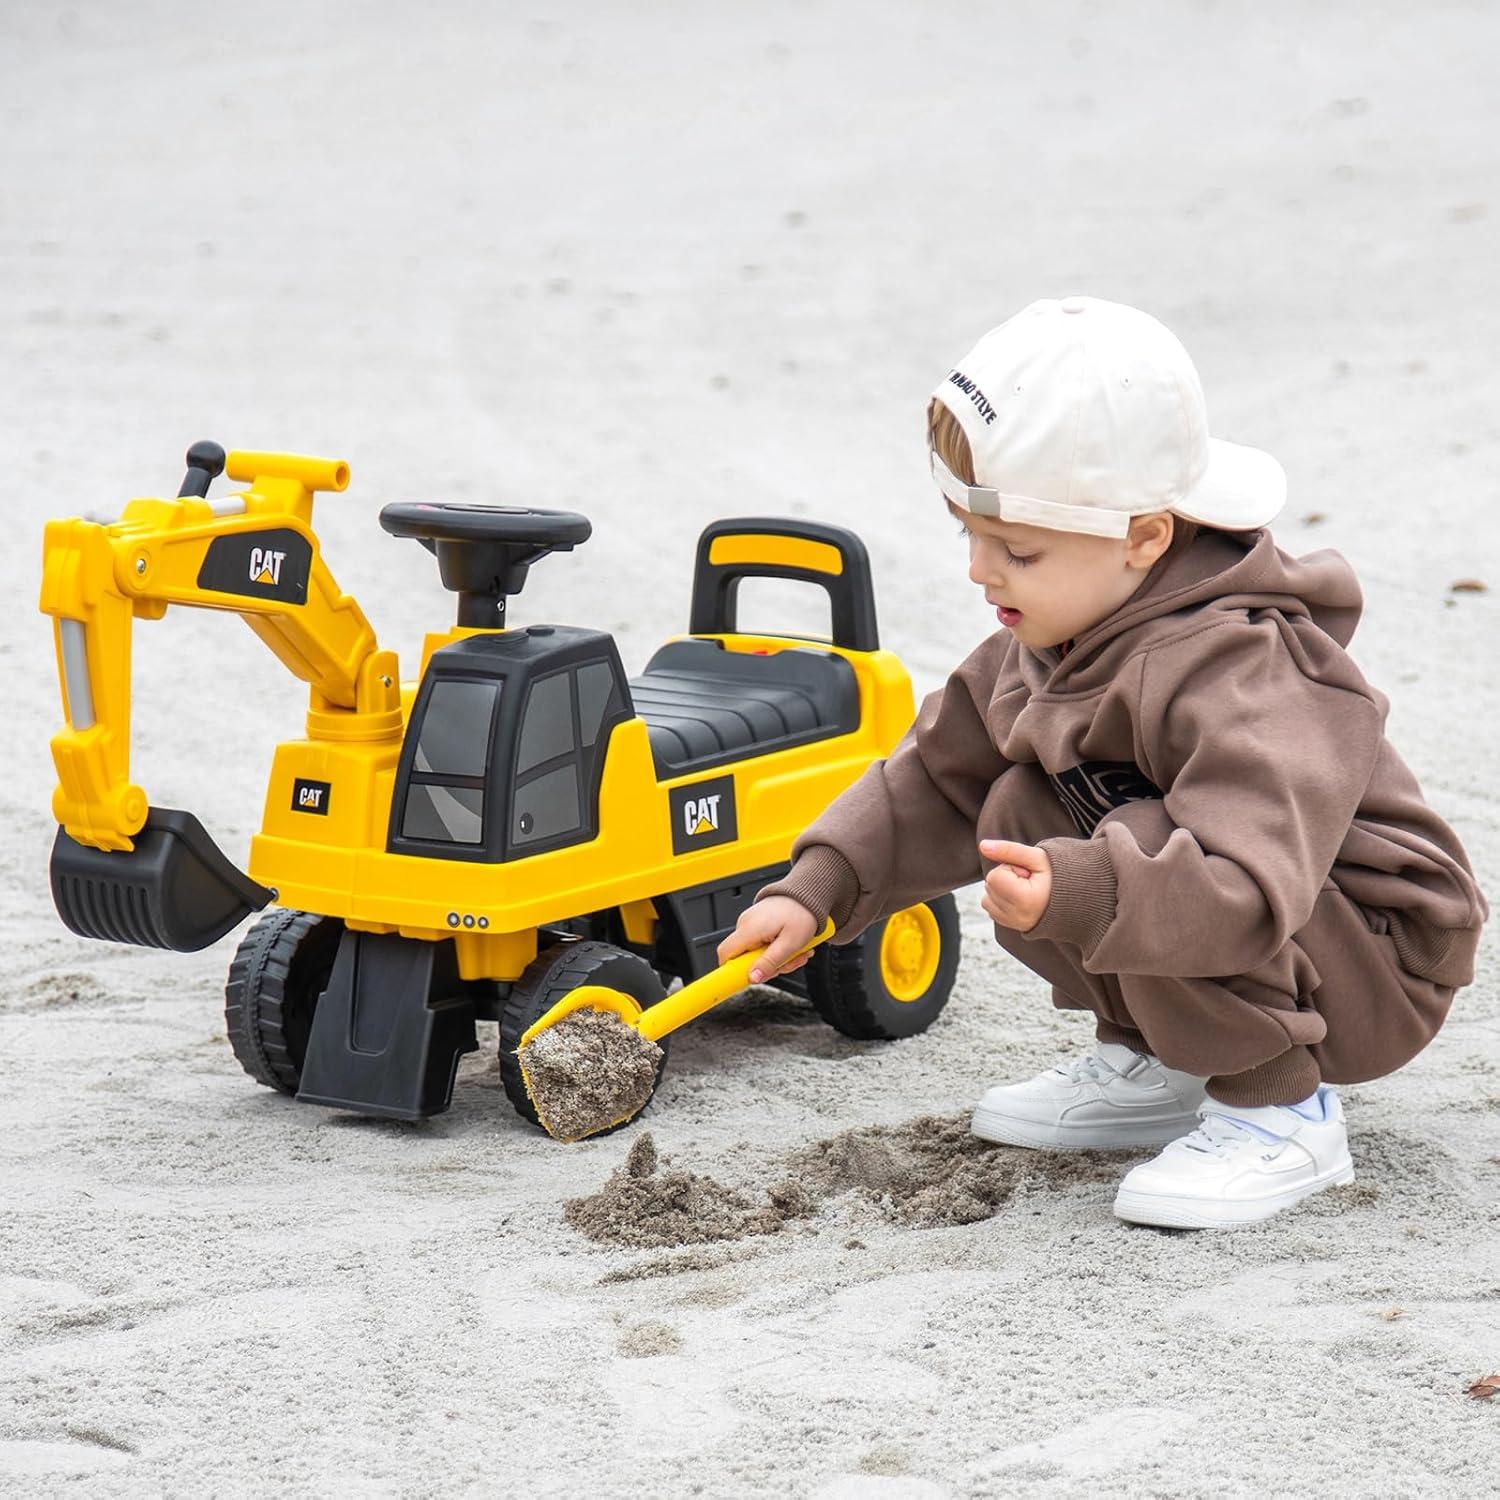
<point>952,445</point>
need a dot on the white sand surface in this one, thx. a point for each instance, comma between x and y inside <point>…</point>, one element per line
<point>665,263</point>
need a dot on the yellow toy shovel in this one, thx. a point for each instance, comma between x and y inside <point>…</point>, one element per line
<point>599,1069</point>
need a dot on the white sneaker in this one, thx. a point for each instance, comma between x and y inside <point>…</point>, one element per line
<point>1240,1166</point>
<point>1114,1097</point>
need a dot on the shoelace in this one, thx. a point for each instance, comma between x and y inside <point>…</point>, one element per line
<point>1216,1133</point>
<point>1092,1067</point>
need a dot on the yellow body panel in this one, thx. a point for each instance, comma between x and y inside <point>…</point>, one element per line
<point>338,865</point>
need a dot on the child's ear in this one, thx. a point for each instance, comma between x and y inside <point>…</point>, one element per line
<point>1149,538</point>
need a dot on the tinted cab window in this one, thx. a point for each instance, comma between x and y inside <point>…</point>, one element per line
<point>446,795</point>
<point>545,804</point>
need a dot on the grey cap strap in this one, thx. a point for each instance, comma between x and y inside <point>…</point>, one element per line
<point>1026,510</point>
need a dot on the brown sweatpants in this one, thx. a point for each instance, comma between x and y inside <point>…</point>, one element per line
<point>1333,1006</point>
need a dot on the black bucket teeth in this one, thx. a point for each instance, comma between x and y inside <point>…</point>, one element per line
<point>175,889</point>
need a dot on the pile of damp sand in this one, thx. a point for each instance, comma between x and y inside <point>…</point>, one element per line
<point>643,1206</point>
<point>926,1173</point>
<point>588,1072</point>
<point>933,1170</point>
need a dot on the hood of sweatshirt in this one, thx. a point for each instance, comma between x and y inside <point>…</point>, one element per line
<point>1220,571</point>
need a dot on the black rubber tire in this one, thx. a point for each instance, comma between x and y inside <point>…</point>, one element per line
<point>280,969</point>
<point>846,987</point>
<point>546,979</point>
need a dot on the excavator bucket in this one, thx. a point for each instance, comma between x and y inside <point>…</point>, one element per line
<point>175,889</point>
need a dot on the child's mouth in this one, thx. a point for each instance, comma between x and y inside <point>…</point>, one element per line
<point>1008,617</point>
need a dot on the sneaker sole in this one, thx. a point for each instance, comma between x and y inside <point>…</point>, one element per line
<point>1004,1130</point>
<point>1193,1213</point>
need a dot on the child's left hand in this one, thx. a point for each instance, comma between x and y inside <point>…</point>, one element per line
<point>1017,890</point>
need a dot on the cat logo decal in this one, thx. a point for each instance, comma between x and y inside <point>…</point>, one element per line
<point>703,814</point>
<point>265,565</point>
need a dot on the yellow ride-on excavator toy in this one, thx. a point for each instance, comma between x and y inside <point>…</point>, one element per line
<point>520,821</point>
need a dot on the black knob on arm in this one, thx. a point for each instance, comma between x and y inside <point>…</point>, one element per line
<point>205,463</point>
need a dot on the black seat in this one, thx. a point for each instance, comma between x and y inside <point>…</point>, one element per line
<point>705,706</point>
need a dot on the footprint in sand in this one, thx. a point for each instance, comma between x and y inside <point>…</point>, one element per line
<point>36,1459</point>
<point>1272,1299</point>
<point>654,1401</point>
<point>878,1487</point>
<point>1107,1443</point>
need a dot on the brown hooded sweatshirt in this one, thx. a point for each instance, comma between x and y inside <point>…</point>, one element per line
<point>1217,713</point>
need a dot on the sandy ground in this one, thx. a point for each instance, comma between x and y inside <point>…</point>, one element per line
<point>667,263</point>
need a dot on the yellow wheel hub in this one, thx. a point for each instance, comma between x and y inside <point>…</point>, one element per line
<point>909,952</point>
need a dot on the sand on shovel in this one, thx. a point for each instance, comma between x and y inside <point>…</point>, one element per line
<point>644,1207</point>
<point>588,1072</point>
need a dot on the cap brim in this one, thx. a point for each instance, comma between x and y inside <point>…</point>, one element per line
<point>1241,488</point>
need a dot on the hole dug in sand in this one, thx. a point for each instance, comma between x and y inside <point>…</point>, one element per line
<point>933,1171</point>
<point>587,1072</point>
<point>926,1173</point>
<point>645,1340</point>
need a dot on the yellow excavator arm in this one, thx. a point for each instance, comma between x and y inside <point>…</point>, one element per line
<point>253,552</point>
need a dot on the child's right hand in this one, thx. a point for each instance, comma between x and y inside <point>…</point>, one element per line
<point>779,923</point>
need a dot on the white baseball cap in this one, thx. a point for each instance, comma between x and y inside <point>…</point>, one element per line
<point>1082,413</point>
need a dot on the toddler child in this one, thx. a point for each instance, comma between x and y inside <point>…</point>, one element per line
<point>1173,780</point>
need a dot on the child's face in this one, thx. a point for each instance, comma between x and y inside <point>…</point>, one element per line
<point>1061,582</point>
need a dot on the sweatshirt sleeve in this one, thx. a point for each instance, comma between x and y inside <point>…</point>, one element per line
<point>1264,766</point>
<point>907,829</point>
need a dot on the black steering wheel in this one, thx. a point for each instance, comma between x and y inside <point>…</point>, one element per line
<point>483,551</point>
<point>441,522</point>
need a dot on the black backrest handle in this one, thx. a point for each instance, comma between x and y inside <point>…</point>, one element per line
<point>779,547</point>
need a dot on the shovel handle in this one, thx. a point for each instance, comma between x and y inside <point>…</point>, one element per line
<point>703,994</point>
